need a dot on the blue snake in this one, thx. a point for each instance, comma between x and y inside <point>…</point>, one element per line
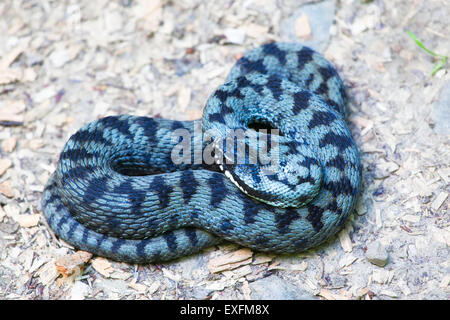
<point>116,191</point>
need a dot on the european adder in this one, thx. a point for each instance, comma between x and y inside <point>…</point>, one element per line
<point>117,193</point>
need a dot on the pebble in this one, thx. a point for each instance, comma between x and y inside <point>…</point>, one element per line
<point>320,17</point>
<point>376,254</point>
<point>79,291</point>
<point>275,288</point>
<point>236,36</point>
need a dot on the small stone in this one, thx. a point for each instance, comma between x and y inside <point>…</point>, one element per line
<point>377,254</point>
<point>235,36</point>
<point>275,288</point>
<point>311,22</point>
<point>79,291</point>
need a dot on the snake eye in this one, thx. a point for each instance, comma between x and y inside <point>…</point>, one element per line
<point>258,124</point>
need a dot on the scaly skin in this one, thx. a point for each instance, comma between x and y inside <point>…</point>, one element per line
<point>116,192</point>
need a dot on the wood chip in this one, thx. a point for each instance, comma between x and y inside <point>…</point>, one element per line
<point>184,98</point>
<point>5,164</point>
<point>246,291</point>
<point>10,75</point>
<point>435,205</point>
<point>299,267</point>
<point>102,266</point>
<point>263,258</point>
<point>345,240</point>
<point>230,261</point>
<point>172,276</point>
<point>347,260</point>
<point>5,189</point>
<point>137,286</point>
<point>445,281</point>
<point>362,292</point>
<point>8,59</point>
<point>154,287</point>
<point>12,110</point>
<point>27,220</point>
<point>302,27</point>
<point>48,273</point>
<point>9,144</point>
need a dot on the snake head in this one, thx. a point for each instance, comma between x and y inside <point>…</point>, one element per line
<point>273,169</point>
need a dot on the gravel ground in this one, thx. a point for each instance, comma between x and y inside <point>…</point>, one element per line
<point>65,63</point>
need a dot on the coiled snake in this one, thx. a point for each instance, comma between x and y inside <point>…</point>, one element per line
<point>118,193</point>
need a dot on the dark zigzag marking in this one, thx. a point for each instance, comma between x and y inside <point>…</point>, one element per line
<point>251,210</point>
<point>243,82</point>
<point>164,191</point>
<point>301,101</point>
<point>321,118</point>
<point>192,236</point>
<point>85,236</point>
<point>340,141</point>
<point>327,73</point>
<point>310,80</point>
<point>84,137</point>
<point>95,189</point>
<point>72,229</point>
<point>304,56</point>
<point>248,66</point>
<point>78,173</point>
<point>117,245</point>
<point>218,189</point>
<point>273,50</point>
<point>343,186</point>
<point>274,84</point>
<point>123,127</point>
<point>171,241</point>
<point>315,217</point>
<point>81,155</point>
<point>284,220</point>
<point>150,127</point>
<point>140,247</point>
<point>189,185</point>
<point>337,162</point>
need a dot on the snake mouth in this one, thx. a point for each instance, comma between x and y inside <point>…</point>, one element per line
<point>218,160</point>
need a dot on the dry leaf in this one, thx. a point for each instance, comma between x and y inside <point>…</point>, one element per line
<point>73,265</point>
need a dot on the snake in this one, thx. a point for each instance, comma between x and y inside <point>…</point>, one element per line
<point>118,193</point>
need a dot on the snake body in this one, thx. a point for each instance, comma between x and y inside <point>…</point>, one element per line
<point>117,193</point>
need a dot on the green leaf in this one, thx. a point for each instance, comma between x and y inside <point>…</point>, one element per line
<point>438,66</point>
<point>412,35</point>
